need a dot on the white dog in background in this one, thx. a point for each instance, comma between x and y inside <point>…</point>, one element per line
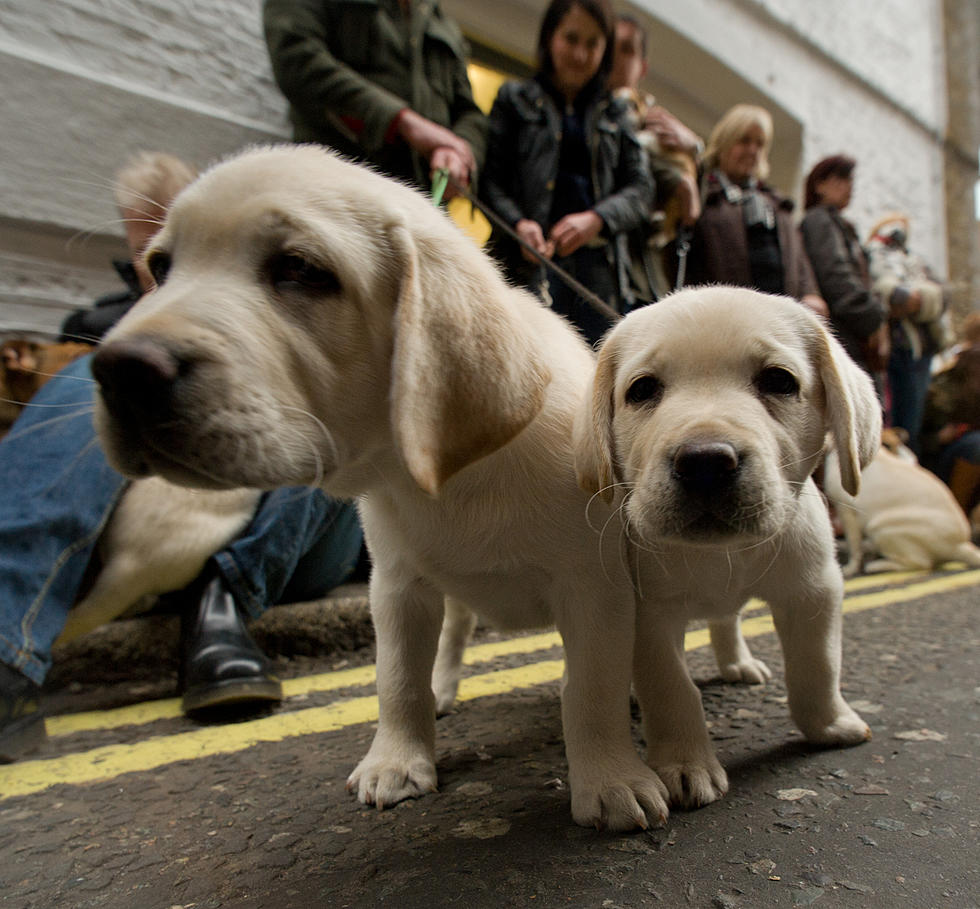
<point>907,514</point>
<point>317,323</point>
<point>708,415</point>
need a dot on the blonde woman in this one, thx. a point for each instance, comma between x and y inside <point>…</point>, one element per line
<point>746,234</point>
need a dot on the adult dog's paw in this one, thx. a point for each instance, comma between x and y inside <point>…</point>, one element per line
<point>692,780</point>
<point>384,780</point>
<point>748,672</point>
<point>620,798</point>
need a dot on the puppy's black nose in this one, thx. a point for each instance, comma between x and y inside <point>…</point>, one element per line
<point>705,468</point>
<point>137,378</point>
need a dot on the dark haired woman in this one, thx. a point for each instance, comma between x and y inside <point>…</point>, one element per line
<point>841,266</point>
<point>564,168</point>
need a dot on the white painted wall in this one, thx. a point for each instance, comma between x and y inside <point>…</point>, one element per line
<point>86,82</point>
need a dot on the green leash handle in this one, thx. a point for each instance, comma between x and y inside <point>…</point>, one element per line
<point>440,180</point>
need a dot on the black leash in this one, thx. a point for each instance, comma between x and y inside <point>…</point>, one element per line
<point>593,299</point>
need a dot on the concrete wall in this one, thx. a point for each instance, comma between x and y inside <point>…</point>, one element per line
<point>88,81</point>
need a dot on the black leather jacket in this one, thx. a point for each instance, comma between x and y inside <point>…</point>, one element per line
<point>522,162</point>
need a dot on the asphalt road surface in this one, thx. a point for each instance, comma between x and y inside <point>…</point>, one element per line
<point>137,807</point>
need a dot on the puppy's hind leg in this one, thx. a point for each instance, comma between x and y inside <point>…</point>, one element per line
<point>735,660</point>
<point>457,625</point>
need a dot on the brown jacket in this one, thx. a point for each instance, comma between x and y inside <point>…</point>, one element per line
<point>719,249</point>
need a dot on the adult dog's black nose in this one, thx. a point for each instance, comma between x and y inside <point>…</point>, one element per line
<point>705,468</point>
<point>137,378</point>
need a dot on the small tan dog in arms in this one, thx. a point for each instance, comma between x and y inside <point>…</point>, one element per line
<point>707,417</point>
<point>908,516</point>
<point>316,323</point>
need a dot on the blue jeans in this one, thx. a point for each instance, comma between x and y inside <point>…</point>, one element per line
<point>908,380</point>
<point>57,492</point>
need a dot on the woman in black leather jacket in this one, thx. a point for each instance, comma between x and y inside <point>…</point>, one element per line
<point>564,168</point>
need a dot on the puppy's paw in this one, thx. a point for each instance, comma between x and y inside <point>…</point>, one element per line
<point>445,690</point>
<point>385,781</point>
<point>628,799</point>
<point>693,780</point>
<point>748,672</point>
<point>846,729</point>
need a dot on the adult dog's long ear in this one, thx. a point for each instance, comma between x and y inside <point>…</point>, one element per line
<point>593,433</point>
<point>853,414</point>
<point>465,373</point>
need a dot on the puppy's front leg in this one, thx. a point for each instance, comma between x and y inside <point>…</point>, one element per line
<point>678,745</point>
<point>810,632</point>
<point>611,786</point>
<point>401,761</point>
<point>732,654</point>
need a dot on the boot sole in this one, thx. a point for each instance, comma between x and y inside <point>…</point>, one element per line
<point>21,737</point>
<point>233,692</point>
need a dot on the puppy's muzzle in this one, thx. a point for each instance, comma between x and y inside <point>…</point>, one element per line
<point>138,378</point>
<point>706,470</point>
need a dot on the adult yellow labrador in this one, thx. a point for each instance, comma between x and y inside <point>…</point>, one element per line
<point>316,323</point>
<point>707,415</point>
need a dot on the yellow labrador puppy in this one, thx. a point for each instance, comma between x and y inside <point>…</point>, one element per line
<point>708,415</point>
<point>317,323</point>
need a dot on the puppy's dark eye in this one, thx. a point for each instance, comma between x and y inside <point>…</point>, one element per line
<point>644,390</point>
<point>159,265</point>
<point>774,380</point>
<point>288,270</point>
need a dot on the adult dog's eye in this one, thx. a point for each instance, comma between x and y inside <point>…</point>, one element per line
<point>774,380</point>
<point>289,269</point>
<point>159,265</point>
<point>644,390</point>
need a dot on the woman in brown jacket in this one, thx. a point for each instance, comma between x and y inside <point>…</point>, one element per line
<point>746,234</point>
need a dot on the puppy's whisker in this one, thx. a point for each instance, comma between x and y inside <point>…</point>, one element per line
<point>593,500</point>
<point>171,455</point>
<point>79,410</point>
<point>327,436</point>
<point>614,516</point>
<point>800,460</point>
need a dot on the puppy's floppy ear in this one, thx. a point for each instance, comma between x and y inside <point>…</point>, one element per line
<point>465,376</point>
<point>853,413</point>
<point>593,435</point>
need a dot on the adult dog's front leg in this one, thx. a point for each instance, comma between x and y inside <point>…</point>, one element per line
<point>611,786</point>
<point>401,761</point>
<point>678,745</point>
<point>810,632</point>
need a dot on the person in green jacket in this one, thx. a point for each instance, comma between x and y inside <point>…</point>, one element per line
<point>382,81</point>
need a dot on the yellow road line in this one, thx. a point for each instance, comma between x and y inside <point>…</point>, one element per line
<point>109,761</point>
<point>169,708</point>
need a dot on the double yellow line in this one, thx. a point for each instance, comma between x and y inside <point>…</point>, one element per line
<point>109,761</point>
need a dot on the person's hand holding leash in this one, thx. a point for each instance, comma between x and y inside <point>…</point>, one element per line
<point>531,233</point>
<point>575,230</point>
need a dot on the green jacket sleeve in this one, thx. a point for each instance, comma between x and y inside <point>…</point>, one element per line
<point>328,94</point>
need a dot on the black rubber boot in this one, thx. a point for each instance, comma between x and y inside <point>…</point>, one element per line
<point>220,664</point>
<point>21,721</point>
